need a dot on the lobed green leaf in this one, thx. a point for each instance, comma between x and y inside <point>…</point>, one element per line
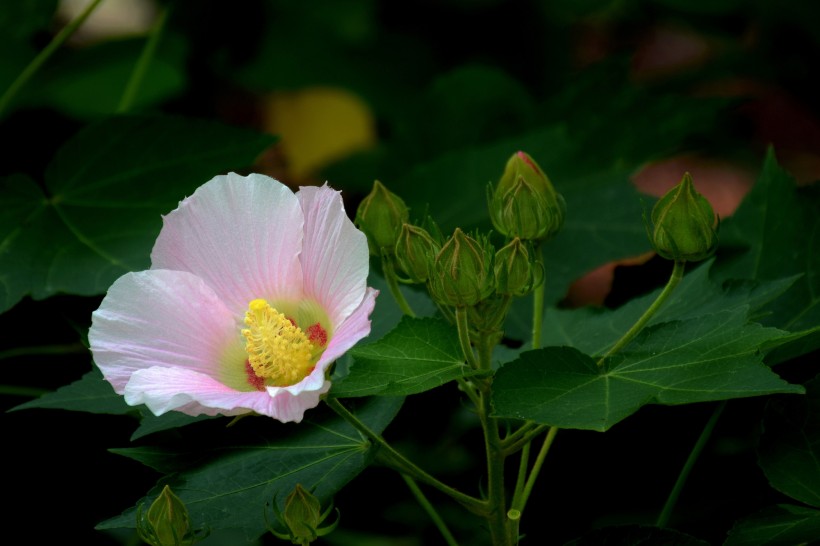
<point>714,357</point>
<point>417,355</point>
<point>228,479</point>
<point>780,525</point>
<point>789,449</point>
<point>774,234</point>
<point>90,393</point>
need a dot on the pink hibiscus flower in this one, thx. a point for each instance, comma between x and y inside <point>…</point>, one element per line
<point>253,292</point>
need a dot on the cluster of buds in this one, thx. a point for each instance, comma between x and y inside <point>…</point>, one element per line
<point>684,226</point>
<point>303,518</point>
<point>166,523</point>
<point>465,270</point>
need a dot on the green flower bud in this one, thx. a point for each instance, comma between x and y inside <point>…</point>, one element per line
<point>303,514</point>
<point>684,224</point>
<point>166,523</point>
<point>380,216</point>
<point>302,517</point>
<point>416,252</point>
<point>463,273</point>
<point>515,273</point>
<point>525,204</point>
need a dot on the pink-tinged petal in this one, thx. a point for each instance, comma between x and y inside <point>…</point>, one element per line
<point>160,318</point>
<point>242,235</point>
<point>335,258</point>
<point>354,328</point>
<point>166,389</point>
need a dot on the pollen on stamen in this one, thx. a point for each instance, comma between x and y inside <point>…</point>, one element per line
<point>278,351</point>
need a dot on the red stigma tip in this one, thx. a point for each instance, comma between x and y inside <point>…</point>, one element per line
<point>317,335</point>
<point>256,382</point>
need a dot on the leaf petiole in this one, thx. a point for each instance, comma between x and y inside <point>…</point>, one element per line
<point>674,279</point>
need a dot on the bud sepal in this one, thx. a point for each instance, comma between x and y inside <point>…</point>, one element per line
<point>416,252</point>
<point>463,271</point>
<point>515,271</point>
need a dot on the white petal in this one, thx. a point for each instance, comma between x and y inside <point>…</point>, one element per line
<point>166,389</point>
<point>160,318</point>
<point>242,235</point>
<point>335,258</point>
<point>354,328</point>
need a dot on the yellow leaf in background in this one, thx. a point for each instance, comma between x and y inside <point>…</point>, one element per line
<point>319,125</point>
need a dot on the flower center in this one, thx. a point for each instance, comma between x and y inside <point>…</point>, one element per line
<point>279,352</point>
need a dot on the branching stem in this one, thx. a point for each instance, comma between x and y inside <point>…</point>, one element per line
<point>431,510</point>
<point>395,460</point>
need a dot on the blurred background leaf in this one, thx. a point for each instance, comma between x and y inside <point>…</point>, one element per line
<point>99,213</point>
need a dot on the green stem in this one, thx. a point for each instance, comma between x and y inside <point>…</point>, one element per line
<point>511,447</point>
<point>496,494</point>
<point>469,389</point>
<point>44,55</point>
<point>497,516</point>
<point>536,467</point>
<point>398,462</point>
<point>523,466</point>
<point>138,74</point>
<point>485,354</point>
<point>677,275</point>
<point>464,337</point>
<point>538,301</point>
<point>672,499</point>
<point>521,496</point>
<point>517,434</point>
<point>393,284</point>
<point>430,509</point>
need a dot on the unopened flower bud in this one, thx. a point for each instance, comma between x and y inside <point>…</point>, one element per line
<point>303,517</point>
<point>416,252</point>
<point>380,216</point>
<point>524,204</point>
<point>303,514</point>
<point>515,273</point>
<point>463,273</point>
<point>684,224</point>
<point>166,523</point>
